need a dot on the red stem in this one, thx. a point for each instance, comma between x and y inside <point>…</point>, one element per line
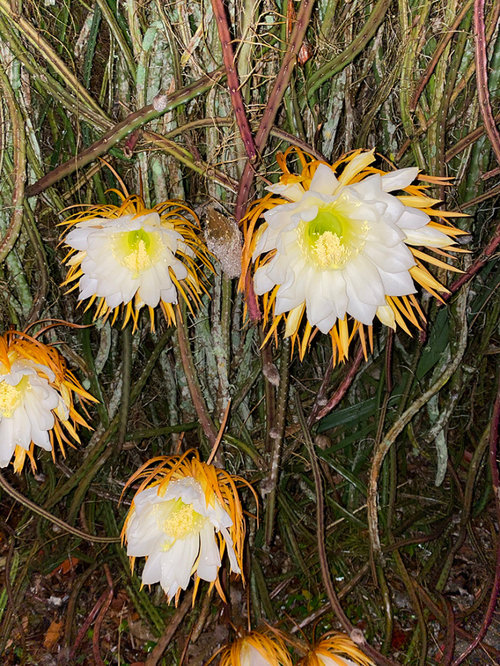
<point>495,482</point>
<point>342,389</point>
<point>280,85</point>
<point>86,624</point>
<point>488,251</point>
<point>483,93</point>
<point>232,79</point>
<point>97,626</point>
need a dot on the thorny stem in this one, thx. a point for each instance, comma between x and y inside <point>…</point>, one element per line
<point>19,167</point>
<point>437,612</point>
<point>276,435</point>
<point>318,411</point>
<point>100,617</point>
<point>495,482</point>
<point>355,634</point>
<point>274,101</point>
<point>483,93</point>
<point>192,379</point>
<point>466,141</point>
<point>197,165</point>
<point>362,38</point>
<point>384,446</point>
<point>160,105</point>
<point>232,79</point>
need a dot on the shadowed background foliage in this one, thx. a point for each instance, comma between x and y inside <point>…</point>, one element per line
<point>143,85</point>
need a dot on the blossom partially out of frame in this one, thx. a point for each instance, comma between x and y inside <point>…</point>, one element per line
<point>256,649</point>
<point>340,250</point>
<point>183,518</point>
<point>36,399</point>
<point>127,257</point>
<point>335,650</point>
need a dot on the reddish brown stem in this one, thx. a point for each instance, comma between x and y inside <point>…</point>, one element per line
<point>85,626</point>
<point>495,482</point>
<point>438,613</point>
<point>275,97</point>
<point>485,255</point>
<point>483,93</point>
<point>97,626</point>
<point>449,644</point>
<point>342,389</point>
<point>192,381</point>
<point>466,141</point>
<point>170,630</point>
<point>232,79</point>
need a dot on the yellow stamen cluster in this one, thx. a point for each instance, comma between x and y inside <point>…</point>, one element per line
<point>178,519</point>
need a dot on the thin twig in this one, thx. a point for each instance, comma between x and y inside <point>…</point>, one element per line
<point>170,630</point>
<point>495,482</point>
<point>192,379</point>
<point>100,617</point>
<point>319,412</point>
<point>483,258</point>
<point>483,93</point>
<point>355,634</point>
<point>447,37</point>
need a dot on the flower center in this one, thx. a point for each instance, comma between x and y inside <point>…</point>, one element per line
<point>325,239</point>
<point>11,396</point>
<point>179,519</point>
<point>137,250</point>
<point>331,239</point>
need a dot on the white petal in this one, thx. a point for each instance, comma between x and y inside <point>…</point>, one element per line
<point>250,656</point>
<point>386,316</point>
<point>230,550</point>
<point>399,179</point>
<point>293,191</point>
<point>397,284</point>
<point>363,282</point>
<point>149,291</point>
<point>261,281</point>
<point>209,562</point>
<point>412,218</point>
<point>324,180</point>
<point>427,236</point>
<point>152,569</point>
<point>394,260</point>
<point>7,444</point>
